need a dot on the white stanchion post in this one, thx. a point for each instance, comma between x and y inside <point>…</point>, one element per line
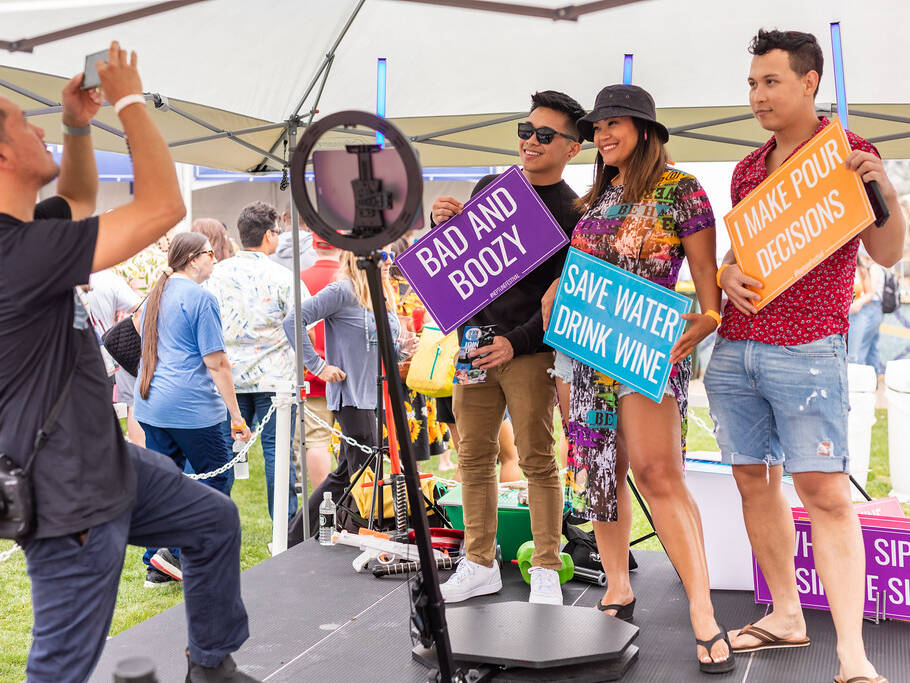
<point>284,399</point>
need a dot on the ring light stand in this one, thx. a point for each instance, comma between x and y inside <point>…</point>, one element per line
<point>367,236</point>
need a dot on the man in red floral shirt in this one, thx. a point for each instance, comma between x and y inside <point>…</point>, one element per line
<point>777,381</point>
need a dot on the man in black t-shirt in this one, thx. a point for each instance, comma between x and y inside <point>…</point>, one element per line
<point>94,493</point>
<point>517,379</point>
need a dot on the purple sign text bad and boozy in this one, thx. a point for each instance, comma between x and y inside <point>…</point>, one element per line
<point>887,569</point>
<point>501,235</point>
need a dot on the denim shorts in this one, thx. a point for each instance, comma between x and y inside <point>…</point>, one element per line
<point>562,367</point>
<point>781,404</point>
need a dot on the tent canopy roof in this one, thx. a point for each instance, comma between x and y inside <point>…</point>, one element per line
<point>245,65</point>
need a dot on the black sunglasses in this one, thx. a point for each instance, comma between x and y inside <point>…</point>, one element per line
<point>544,133</point>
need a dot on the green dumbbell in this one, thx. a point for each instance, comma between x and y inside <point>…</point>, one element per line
<point>523,556</point>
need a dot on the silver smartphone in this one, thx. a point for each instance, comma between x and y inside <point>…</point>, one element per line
<point>90,78</point>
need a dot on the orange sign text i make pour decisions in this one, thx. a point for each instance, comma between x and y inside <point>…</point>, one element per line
<point>802,213</point>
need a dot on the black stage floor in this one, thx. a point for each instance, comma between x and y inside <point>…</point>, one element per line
<point>312,618</point>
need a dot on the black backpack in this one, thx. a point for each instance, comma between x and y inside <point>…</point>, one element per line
<point>890,293</point>
<point>582,545</point>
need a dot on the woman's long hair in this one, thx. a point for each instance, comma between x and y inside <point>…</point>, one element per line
<point>217,235</point>
<point>184,248</point>
<point>348,269</point>
<point>646,166</point>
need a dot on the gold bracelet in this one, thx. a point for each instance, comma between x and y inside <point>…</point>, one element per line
<point>714,315</point>
<point>720,270</point>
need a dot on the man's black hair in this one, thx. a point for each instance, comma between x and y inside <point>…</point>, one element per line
<point>255,220</point>
<point>559,101</point>
<point>803,49</point>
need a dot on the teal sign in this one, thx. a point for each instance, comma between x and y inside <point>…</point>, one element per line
<point>618,323</point>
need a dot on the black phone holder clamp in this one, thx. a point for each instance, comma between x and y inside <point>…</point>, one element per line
<point>370,231</point>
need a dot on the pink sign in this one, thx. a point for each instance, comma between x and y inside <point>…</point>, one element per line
<point>887,542</point>
<point>881,507</point>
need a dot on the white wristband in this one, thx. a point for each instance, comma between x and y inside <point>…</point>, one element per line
<point>126,101</point>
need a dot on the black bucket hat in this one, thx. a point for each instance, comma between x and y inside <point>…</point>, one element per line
<point>621,100</point>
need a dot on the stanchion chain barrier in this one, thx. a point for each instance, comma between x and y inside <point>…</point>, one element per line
<point>242,454</point>
<point>6,554</point>
<point>369,450</point>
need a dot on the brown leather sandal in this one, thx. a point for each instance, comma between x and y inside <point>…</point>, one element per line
<point>767,640</point>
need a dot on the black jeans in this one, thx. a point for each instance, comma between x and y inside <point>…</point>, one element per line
<point>361,426</point>
<point>74,581</point>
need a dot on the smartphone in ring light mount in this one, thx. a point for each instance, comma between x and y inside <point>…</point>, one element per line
<point>90,77</point>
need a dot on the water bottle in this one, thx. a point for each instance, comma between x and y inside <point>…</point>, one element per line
<point>326,519</point>
<point>242,466</point>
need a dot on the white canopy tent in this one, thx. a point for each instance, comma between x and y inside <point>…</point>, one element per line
<point>230,74</point>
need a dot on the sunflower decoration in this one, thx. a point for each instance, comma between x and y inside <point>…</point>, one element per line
<point>334,441</point>
<point>435,431</point>
<point>414,424</point>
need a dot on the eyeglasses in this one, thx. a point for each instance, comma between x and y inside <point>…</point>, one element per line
<point>210,252</point>
<point>544,133</point>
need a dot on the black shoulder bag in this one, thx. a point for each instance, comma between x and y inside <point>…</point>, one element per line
<point>17,493</point>
<point>124,343</point>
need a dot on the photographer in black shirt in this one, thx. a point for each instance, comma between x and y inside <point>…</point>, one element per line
<point>94,493</point>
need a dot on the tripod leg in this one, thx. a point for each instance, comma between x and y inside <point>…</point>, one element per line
<point>860,488</point>
<point>435,608</point>
<point>644,509</point>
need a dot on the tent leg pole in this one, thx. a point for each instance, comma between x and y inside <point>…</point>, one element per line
<point>302,388</point>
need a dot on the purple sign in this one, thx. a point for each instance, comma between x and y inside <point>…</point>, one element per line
<point>502,234</point>
<point>887,569</point>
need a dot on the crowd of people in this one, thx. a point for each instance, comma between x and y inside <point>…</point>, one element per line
<point>218,328</point>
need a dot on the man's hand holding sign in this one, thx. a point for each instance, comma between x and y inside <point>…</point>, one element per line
<point>805,210</point>
<point>482,248</point>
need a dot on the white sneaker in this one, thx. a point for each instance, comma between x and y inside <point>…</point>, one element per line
<point>545,588</point>
<point>470,580</point>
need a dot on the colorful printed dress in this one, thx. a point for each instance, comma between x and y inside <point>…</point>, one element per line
<point>643,238</point>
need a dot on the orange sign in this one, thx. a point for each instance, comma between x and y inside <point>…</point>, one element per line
<point>803,212</point>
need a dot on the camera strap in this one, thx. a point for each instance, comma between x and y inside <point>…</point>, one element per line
<point>45,431</point>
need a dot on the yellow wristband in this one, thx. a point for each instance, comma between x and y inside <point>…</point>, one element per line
<point>238,427</point>
<point>714,315</point>
<point>720,270</point>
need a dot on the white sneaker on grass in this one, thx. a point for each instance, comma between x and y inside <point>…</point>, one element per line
<point>545,588</point>
<point>470,580</point>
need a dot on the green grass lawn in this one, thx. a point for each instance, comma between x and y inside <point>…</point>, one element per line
<point>136,603</point>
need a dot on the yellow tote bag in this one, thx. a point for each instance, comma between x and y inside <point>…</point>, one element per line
<point>363,496</point>
<point>433,365</point>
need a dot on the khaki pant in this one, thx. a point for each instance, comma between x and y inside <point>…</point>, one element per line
<point>523,386</point>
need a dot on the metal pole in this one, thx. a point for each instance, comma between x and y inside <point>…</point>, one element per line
<point>302,387</point>
<point>283,400</point>
<point>839,87</point>
<point>326,64</point>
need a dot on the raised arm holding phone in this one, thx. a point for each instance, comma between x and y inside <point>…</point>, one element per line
<point>92,492</point>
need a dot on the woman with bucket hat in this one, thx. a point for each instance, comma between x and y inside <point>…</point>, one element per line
<point>644,216</point>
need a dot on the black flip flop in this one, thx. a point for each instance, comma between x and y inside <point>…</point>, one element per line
<point>721,667</point>
<point>623,612</point>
